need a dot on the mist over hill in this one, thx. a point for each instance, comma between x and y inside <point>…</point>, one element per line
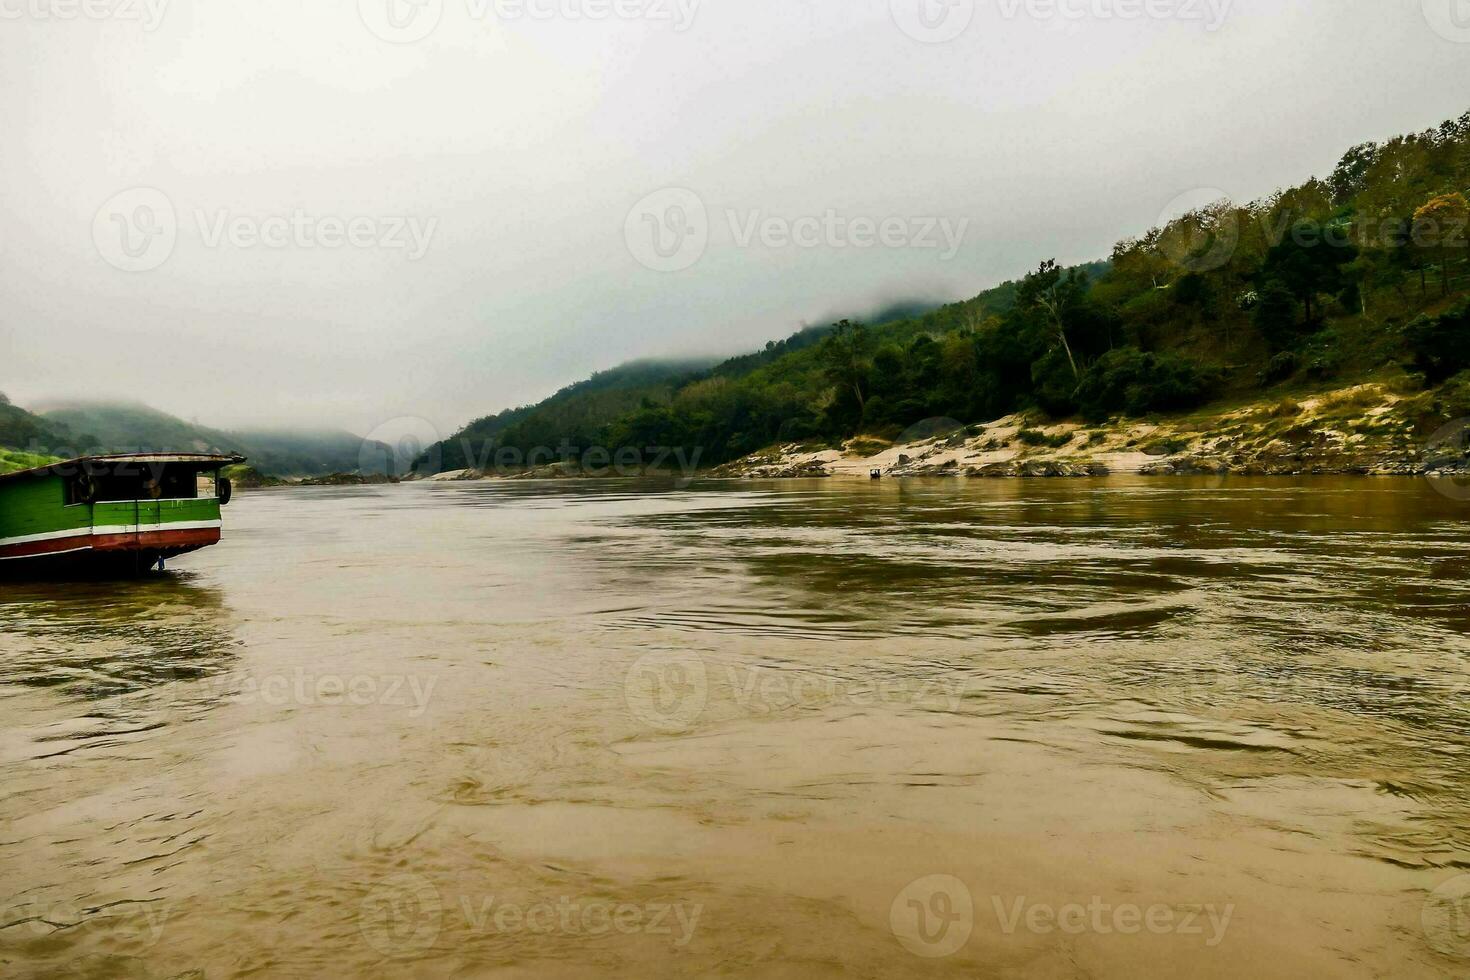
<point>79,428</point>
<point>1360,274</point>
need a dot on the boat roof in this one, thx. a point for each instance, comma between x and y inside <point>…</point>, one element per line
<point>203,461</point>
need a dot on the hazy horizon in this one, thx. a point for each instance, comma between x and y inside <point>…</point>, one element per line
<point>173,174</point>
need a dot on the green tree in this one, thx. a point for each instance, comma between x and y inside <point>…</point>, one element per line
<point>846,361</point>
<point>1275,316</point>
<point>1440,344</point>
<point>1350,177</point>
<point>1056,295</point>
<point>1440,225</point>
<point>1309,261</point>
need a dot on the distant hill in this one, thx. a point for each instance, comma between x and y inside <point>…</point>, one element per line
<point>292,453</point>
<point>577,412</point>
<point>579,415</point>
<point>27,432</point>
<point>1360,275</point>
<point>134,427</point>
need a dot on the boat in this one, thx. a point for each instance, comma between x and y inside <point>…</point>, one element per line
<point>112,515</point>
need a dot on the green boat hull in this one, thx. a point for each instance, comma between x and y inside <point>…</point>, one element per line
<point>41,532</point>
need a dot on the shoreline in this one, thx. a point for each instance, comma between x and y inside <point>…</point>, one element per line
<point>1364,430</point>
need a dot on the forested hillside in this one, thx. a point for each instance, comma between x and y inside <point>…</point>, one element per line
<point>585,414</point>
<point>577,415</point>
<point>19,430</point>
<point>85,428</point>
<point>1362,273</point>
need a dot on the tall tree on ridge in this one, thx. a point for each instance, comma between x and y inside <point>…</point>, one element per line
<point>1441,224</point>
<point>1055,294</point>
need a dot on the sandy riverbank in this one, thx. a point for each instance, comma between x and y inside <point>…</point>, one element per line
<point>1364,430</point>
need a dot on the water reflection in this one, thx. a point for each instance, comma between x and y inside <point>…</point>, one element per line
<point>99,641</point>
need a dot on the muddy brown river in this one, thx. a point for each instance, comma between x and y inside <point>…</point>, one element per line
<point>1102,729</point>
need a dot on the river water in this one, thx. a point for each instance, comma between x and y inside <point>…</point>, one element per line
<point>1109,728</point>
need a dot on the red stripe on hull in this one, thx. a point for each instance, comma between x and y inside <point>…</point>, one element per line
<point>175,541</point>
<point>170,542</point>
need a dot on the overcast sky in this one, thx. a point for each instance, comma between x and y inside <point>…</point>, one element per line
<point>339,213</point>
